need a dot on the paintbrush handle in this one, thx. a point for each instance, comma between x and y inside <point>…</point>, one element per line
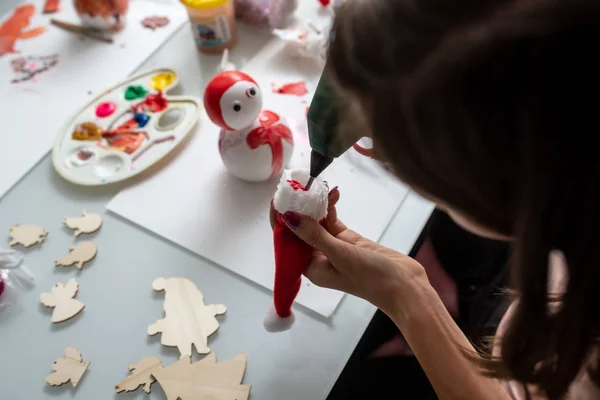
<point>81,30</point>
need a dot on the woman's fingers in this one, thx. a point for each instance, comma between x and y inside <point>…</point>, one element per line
<point>313,234</point>
<point>321,272</point>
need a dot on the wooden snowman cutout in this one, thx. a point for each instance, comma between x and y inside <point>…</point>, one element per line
<point>255,144</point>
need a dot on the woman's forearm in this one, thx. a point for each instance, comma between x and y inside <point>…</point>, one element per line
<point>436,341</point>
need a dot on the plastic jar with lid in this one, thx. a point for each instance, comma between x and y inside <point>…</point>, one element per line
<point>213,24</point>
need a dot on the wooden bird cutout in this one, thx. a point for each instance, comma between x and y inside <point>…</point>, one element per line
<point>70,368</point>
<point>188,321</point>
<point>26,235</point>
<point>203,380</point>
<point>87,223</point>
<point>78,255</point>
<point>61,298</point>
<point>141,374</point>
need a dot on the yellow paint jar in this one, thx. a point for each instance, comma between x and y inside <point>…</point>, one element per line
<point>213,24</point>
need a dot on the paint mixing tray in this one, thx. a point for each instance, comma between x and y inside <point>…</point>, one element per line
<point>125,130</point>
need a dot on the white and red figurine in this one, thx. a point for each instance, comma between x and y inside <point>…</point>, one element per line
<point>255,144</point>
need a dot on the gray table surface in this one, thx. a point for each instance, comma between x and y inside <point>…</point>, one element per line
<point>300,364</point>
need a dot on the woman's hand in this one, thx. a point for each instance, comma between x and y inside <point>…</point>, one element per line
<point>346,261</point>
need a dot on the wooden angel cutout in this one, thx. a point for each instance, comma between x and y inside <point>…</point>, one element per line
<point>188,321</point>
<point>69,368</point>
<point>61,298</point>
<point>26,235</point>
<point>78,255</point>
<point>203,380</point>
<point>141,374</point>
<point>87,223</point>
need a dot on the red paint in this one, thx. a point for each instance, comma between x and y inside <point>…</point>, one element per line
<point>296,89</point>
<point>1,287</point>
<point>127,140</point>
<point>105,109</point>
<point>14,28</point>
<point>271,133</point>
<point>128,125</point>
<point>296,185</point>
<point>51,6</point>
<point>214,92</point>
<point>324,3</point>
<point>153,102</point>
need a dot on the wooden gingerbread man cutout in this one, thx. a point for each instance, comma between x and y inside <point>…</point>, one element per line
<point>78,255</point>
<point>87,223</point>
<point>61,298</point>
<point>69,368</point>
<point>26,235</point>
<point>188,321</point>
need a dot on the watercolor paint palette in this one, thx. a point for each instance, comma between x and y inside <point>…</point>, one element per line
<point>125,130</point>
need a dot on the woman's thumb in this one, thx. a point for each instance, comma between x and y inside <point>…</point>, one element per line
<point>311,232</point>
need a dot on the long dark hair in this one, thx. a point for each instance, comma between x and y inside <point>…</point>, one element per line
<point>492,107</point>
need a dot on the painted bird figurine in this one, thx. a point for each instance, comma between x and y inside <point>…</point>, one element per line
<point>255,144</point>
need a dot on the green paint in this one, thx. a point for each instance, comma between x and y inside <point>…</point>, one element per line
<point>135,92</point>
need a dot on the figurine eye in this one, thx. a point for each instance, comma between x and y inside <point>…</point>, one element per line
<point>237,107</point>
<point>251,92</point>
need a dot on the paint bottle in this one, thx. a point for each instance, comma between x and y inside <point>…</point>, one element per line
<point>213,24</point>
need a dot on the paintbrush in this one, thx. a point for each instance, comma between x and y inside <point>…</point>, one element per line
<point>92,34</point>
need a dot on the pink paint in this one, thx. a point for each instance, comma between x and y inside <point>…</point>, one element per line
<point>84,155</point>
<point>296,89</point>
<point>105,109</point>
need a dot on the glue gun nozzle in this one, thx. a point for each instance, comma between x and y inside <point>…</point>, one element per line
<point>310,182</point>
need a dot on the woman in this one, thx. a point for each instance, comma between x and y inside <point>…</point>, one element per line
<point>485,108</point>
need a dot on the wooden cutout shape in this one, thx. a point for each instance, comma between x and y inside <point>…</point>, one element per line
<point>188,321</point>
<point>87,223</point>
<point>26,235</point>
<point>141,374</point>
<point>78,255</point>
<point>61,298</point>
<point>69,368</point>
<point>205,379</point>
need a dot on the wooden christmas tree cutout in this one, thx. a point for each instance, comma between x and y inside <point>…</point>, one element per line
<point>87,223</point>
<point>78,255</point>
<point>69,368</point>
<point>188,321</point>
<point>205,379</point>
<point>26,235</point>
<point>141,374</point>
<point>61,298</point>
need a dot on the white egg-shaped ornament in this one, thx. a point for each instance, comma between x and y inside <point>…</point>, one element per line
<point>255,144</point>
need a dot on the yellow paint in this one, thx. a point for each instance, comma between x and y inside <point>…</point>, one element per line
<point>203,4</point>
<point>162,81</point>
<point>87,131</point>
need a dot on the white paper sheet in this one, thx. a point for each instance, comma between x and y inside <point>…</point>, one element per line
<point>194,203</point>
<point>32,113</point>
